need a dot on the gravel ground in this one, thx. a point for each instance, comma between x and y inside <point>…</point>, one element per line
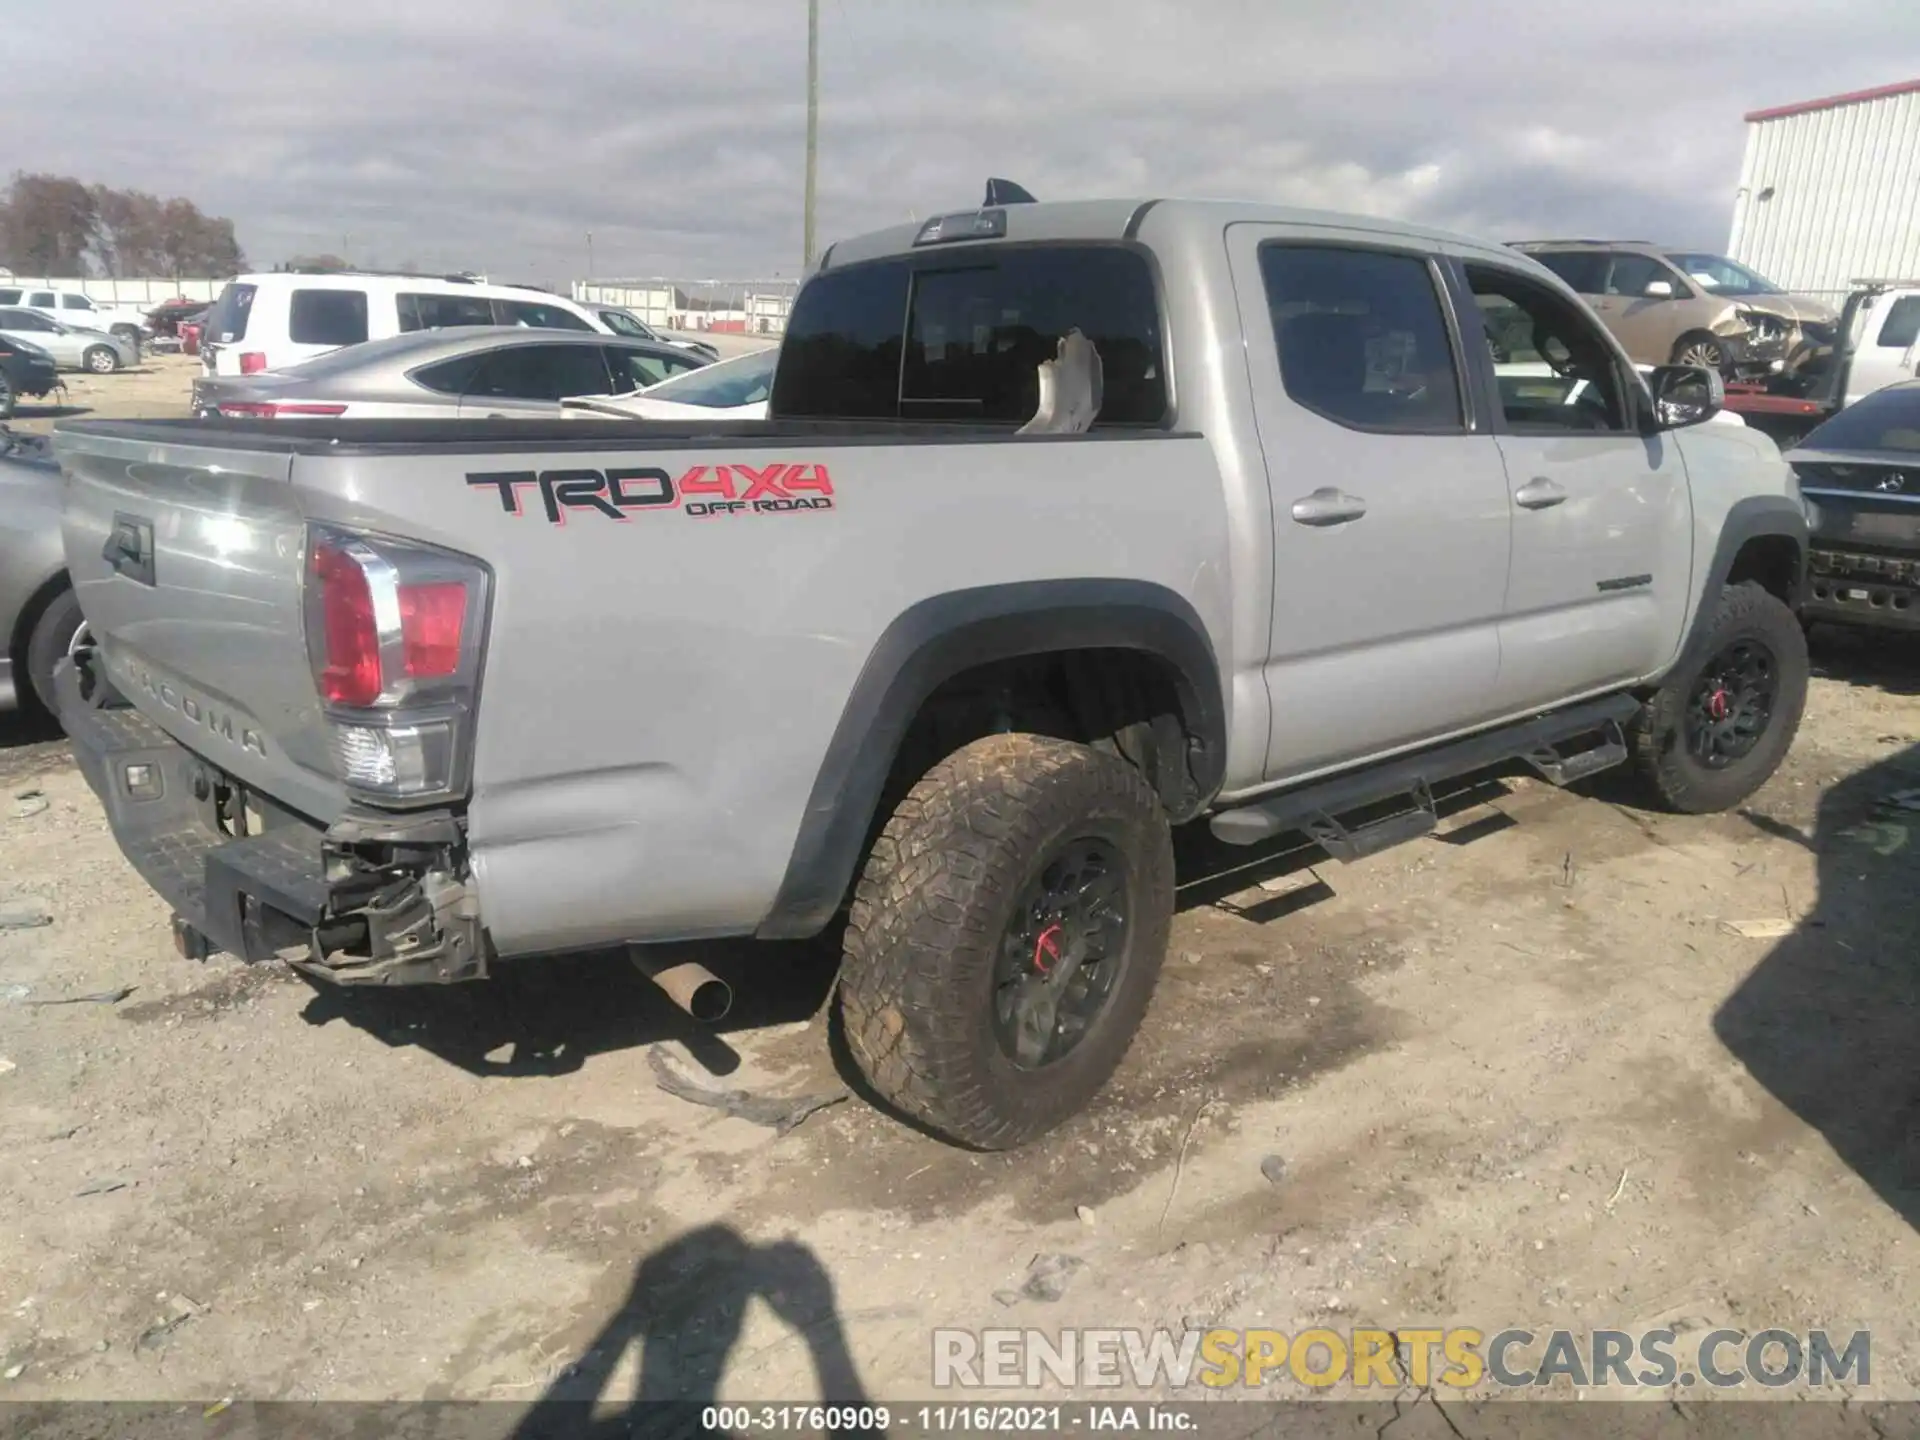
<point>1526,1073</point>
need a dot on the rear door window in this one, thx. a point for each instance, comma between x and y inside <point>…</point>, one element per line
<point>227,321</point>
<point>637,369</point>
<point>542,372</point>
<point>1902,326</point>
<point>443,312</point>
<point>449,377</point>
<point>538,316</point>
<point>1585,271</point>
<point>960,337</point>
<point>43,299</point>
<point>1362,337</point>
<point>327,317</point>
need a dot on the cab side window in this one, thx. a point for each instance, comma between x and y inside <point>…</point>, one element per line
<point>1362,338</point>
<point>1554,368</point>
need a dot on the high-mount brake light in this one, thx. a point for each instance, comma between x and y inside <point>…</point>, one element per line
<point>971,225</point>
<point>393,632</point>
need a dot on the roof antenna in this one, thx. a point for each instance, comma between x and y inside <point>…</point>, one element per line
<point>1005,192</point>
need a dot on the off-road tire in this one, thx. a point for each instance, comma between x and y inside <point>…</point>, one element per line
<point>932,904</point>
<point>1675,778</point>
<point>53,631</point>
<point>101,360</point>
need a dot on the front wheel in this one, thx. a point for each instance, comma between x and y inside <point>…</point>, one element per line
<point>1702,351</point>
<point>1006,936</point>
<point>7,399</point>
<point>1720,725</point>
<point>101,359</point>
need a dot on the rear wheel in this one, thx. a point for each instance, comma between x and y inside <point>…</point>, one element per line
<point>7,400</point>
<point>59,632</point>
<point>1702,350</point>
<point>1719,727</point>
<point>101,359</point>
<point>1006,936</point>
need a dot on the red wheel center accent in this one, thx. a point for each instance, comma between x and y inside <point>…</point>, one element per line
<point>1046,949</point>
<point>1717,704</point>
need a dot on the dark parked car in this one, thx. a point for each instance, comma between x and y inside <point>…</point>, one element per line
<point>1860,476</point>
<point>25,369</point>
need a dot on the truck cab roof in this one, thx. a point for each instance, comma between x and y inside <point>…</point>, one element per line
<point>1124,219</point>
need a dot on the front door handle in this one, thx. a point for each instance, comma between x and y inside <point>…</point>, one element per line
<point>1328,506</point>
<point>1539,493</point>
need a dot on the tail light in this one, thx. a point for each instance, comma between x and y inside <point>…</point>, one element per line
<point>394,634</point>
<point>273,410</point>
<point>252,362</point>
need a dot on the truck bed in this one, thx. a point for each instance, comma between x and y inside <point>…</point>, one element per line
<point>388,437</point>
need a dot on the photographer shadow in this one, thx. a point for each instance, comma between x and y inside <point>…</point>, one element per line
<point>1829,1021</point>
<point>686,1310</point>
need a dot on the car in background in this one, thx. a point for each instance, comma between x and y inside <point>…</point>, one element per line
<point>280,318</point>
<point>1688,307</point>
<point>1859,477</point>
<point>82,311</point>
<point>70,347</point>
<point>40,621</point>
<point>735,389</point>
<point>25,369</point>
<point>622,321</point>
<point>491,372</point>
<point>166,318</point>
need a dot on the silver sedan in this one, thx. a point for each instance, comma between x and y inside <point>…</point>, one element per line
<point>483,371</point>
<point>71,347</point>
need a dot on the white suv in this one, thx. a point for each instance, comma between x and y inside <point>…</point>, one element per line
<point>83,312</point>
<point>273,320</point>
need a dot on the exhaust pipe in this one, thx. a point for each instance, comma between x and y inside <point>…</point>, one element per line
<point>691,986</point>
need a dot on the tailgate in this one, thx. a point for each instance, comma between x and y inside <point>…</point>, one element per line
<point>186,559</point>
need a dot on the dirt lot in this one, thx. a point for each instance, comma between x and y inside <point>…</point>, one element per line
<point>1522,1074</point>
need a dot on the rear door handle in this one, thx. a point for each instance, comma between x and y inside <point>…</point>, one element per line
<point>1328,506</point>
<point>1539,493</point>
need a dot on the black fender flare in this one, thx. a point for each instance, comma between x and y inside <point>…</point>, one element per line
<point>940,637</point>
<point>1752,518</point>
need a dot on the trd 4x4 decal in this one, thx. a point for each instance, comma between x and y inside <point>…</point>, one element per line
<point>703,492</point>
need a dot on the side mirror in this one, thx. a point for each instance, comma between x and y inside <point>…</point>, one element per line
<point>1685,395</point>
<point>1659,290</point>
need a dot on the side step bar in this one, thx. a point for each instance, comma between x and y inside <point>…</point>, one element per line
<point>1316,808</point>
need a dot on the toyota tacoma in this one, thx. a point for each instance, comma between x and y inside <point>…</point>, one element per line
<point>1069,523</point>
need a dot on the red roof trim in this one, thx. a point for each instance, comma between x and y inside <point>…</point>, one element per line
<point>1852,97</point>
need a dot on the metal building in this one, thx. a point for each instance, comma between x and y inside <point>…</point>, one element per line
<point>1830,190</point>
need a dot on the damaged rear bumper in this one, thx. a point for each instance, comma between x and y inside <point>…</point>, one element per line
<point>372,900</point>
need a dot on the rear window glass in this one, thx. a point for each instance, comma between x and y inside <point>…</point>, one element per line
<point>1885,420</point>
<point>228,320</point>
<point>327,317</point>
<point>962,336</point>
<point>443,312</point>
<point>538,316</point>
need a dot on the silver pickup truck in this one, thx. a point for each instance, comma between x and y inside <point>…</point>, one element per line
<point>391,699</point>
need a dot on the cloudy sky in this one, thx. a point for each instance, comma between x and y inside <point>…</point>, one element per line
<point>473,133</point>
